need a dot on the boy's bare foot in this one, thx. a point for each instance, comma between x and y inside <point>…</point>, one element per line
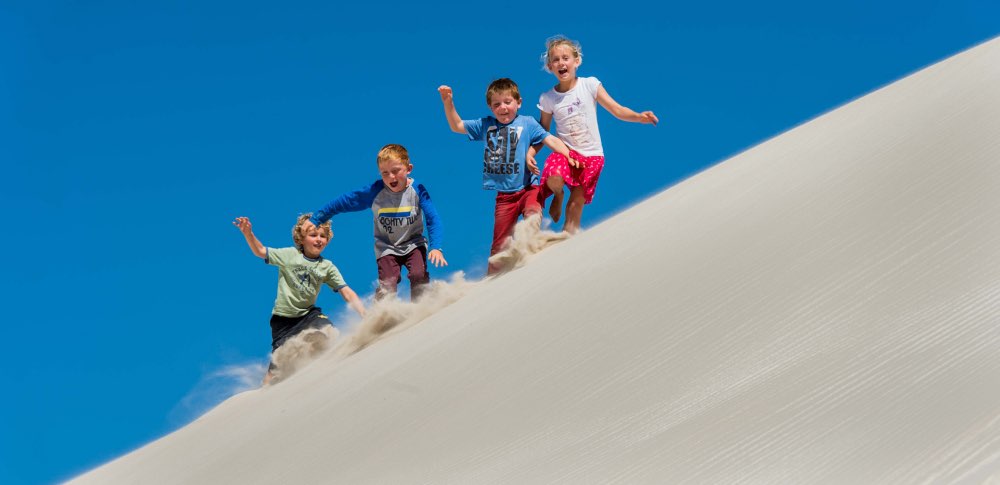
<point>555,209</point>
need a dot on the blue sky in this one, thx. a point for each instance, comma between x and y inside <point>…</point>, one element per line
<point>134,132</point>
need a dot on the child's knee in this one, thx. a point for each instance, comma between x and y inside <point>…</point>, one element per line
<point>386,287</point>
<point>419,276</point>
<point>419,281</point>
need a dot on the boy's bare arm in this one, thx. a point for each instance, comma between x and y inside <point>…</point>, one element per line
<point>529,158</point>
<point>243,223</point>
<point>352,300</point>
<point>557,145</point>
<point>623,113</point>
<point>454,120</point>
<point>436,257</point>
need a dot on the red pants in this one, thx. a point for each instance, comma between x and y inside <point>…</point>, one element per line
<point>509,206</point>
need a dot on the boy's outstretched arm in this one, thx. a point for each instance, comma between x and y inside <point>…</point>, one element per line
<point>356,200</point>
<point>454,120</point>
<point>352,300</point>
<point>623,113</point>
<point>557,145</point>
<point>243,223</point>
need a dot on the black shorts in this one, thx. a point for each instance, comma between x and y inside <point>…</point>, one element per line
<point>284,328</point>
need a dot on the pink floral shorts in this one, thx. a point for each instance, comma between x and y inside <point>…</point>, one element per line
<point>585,176</point>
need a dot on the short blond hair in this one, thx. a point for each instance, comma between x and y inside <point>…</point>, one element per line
<point>502,85</point>
<point>560,40</point>
<point>297,235</point>
<point>393,151</point>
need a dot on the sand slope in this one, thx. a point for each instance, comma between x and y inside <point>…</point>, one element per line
<point>824,307</point>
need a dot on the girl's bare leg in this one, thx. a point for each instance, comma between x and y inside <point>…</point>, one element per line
<point>555,184</point>
<point>574,210</point>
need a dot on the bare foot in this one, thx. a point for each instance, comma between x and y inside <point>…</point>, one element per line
<point>555,209</point>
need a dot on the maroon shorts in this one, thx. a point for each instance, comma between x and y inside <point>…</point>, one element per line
<point>390,273</point>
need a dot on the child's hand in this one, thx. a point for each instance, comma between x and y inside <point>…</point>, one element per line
<point>437,258</point>
<point>648,118</point>
<point>243,223</point>
<point>446,94</point>
<point>574,162</point>
<point>532,164</point>
<point>307,226</point>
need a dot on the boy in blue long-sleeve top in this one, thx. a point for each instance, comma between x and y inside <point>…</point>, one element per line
<point>400,209</point>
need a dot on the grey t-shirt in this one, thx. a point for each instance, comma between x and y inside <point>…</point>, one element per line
<point>399,222</point>
<point>398,216</point>
<point>300,279</point>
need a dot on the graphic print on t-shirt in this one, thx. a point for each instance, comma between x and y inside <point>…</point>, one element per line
<point>574,120</point>
<point>390,217</point>
<point>501,150</point>
<point>303,277</point>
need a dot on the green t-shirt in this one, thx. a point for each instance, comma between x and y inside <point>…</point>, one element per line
<point>299,280</point>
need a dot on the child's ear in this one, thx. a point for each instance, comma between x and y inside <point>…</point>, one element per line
<point>409,168</point>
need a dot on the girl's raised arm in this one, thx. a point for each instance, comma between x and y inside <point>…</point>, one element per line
<point>621,112</point>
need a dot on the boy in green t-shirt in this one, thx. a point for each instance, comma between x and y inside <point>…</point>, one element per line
<point>301,272</point>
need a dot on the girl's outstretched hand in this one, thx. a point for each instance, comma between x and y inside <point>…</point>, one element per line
<point>437,258</point>
<point>648,118</point>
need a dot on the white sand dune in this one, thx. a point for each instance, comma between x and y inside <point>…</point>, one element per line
<point>824,307</point>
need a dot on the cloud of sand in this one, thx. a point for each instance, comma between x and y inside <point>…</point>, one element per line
<point>215,387</point>
<point>301,349</point>
<point>383,319</point>
<point>391,315</point>
<point>529,238</point>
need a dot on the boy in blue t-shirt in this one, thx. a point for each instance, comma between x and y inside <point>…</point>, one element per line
<point>508,166</point>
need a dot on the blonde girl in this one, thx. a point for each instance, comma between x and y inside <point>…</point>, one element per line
<point>571,103</point>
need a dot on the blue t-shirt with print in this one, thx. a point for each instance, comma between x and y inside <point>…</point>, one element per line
<point>506,147</point>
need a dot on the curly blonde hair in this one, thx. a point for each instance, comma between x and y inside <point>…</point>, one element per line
<point>556,41</point>
<point>297,236</point>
